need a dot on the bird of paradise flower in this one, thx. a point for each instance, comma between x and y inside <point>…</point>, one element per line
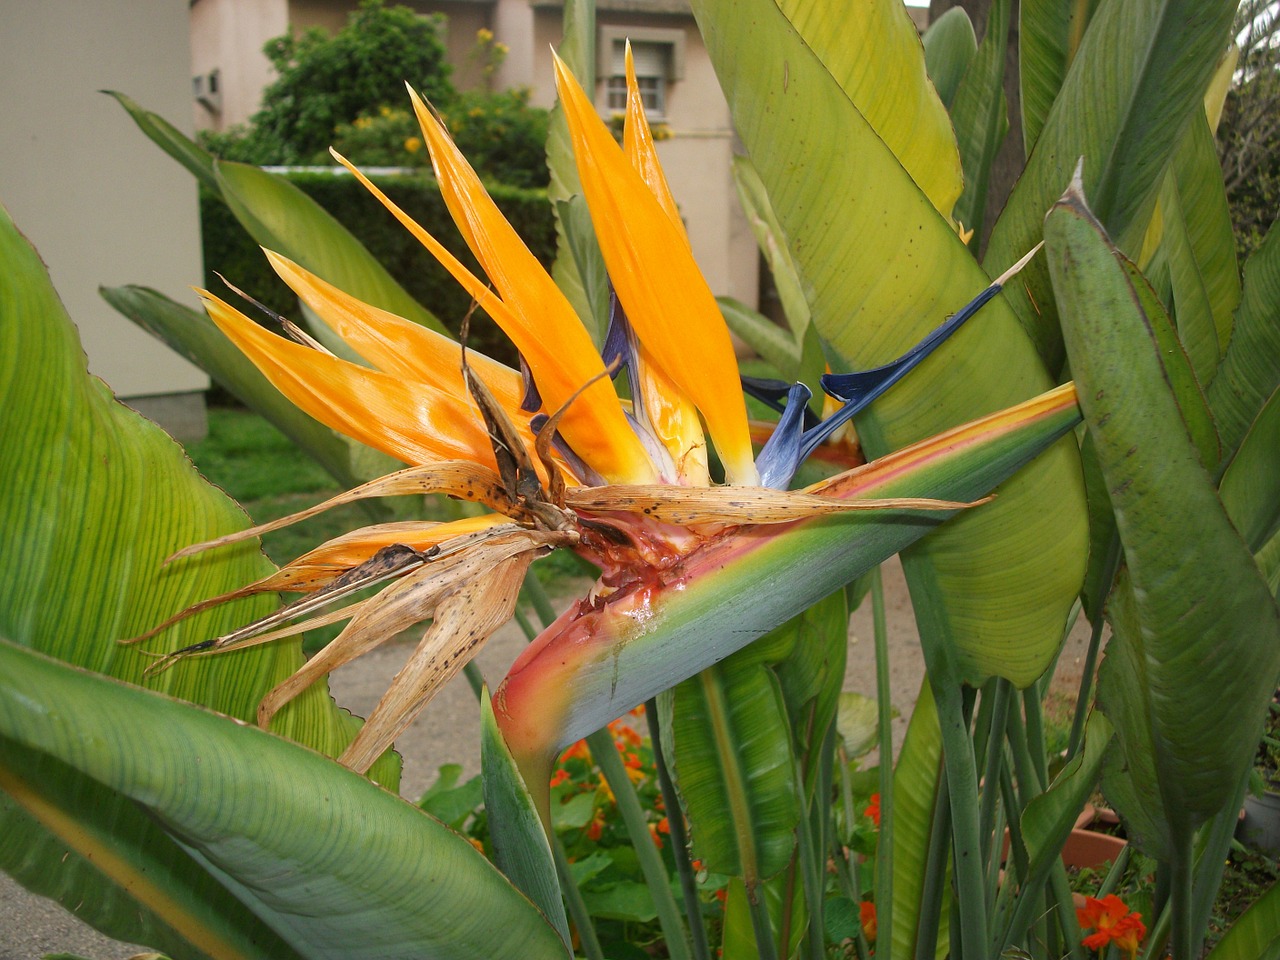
<point>557,457</point>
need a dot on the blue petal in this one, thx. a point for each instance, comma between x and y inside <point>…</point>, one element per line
<point>579,466</point>
<point>770,392</point>
<point>532,401</point>
<point>860,388</point>
<point>782,452</point>
<point>616,352</point>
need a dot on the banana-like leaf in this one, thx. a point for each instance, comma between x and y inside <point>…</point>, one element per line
<point>1250,370</point>
<point>1250,486</point>
<point>736,769</point>
<point>194,336</point>
<point>738,728</point>
<point>1197,245</point>
<point>915,794</point>
<point>774,344</point>
<point>1049,34</point>
<point>981,117</point>
<point>1194,658</point>
<point>578,51</point>
<point>335,865</point>
<point>1176,369</point>
<point>573,220</point>
<point>282,218</point>
<point>171,140</point>
<point>883,269</point>
<point>949,48</point>
<point>773,244</point>
<point>1256,933</point>
<point>519,840</point>
<point>1136,80</point>
<point>873,51</point>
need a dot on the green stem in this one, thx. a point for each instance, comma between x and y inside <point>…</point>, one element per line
<point>679,839</point>
<point>962,777</point>
<point>994,758</point>
<point>1213,857</point>
<point>474,677</point>
<point>1181,899</point>
<point>810,875</point>
<point>1033,709</point>
<point>1109,566</point>
<point>577,906</point>
<point>536,595</point>
<point>884,709</point>
<point>935,873</point>
<point>760,922</point>
<point>605,754</point>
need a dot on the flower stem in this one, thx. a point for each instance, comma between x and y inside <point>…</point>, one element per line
<point>679,839</point>
<point>884,843</point>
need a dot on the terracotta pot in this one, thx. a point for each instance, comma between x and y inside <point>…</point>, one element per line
<point>1088,849</point>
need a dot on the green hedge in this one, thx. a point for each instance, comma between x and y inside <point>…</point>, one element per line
<point>230,251</point>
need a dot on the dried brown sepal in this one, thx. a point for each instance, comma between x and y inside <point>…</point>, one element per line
<point>456,478</point>
<point>411,600</point>
<point>463,622</point>
<point>736,505</point>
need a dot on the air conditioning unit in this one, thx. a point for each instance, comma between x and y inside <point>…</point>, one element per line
<point>207,89</point>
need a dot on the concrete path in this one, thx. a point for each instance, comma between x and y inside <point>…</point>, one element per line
<point>448,732</point>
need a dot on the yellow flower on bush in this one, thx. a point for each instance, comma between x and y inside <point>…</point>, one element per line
<point>413,144</point>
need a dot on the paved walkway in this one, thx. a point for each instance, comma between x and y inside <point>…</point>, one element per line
<point>448,732</point>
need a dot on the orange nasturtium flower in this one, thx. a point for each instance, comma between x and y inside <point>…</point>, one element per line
<point>1112,922</point>
<point>873,809</point>
<point>562,463</point>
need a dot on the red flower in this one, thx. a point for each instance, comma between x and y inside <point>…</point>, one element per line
<point>559,777</point>
<point>873,809</point>
<point>1112,923</point>
<point>867,914</point>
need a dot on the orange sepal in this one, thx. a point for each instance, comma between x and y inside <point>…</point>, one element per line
<point>539,319</point>
<point>666,297</point>
<point>412,421</point>
<point>395,345</point>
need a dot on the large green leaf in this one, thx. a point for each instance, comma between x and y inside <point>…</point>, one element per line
<point>1049,34</point>
<point>171,140</point>
<point>1250,370</point>
<point>1250,486</point>
<point>192,334</point>
<point>1256,933</point>
<point>1136,80</point>
<point>335,865</point>
<point>883,269</point>
<point>1195,657</point>
<point>949,48</point>
<point>520,840</point>
<point>736,770</point>
<point>980,113</point>
<point>1197,249</point>
<point>873,52</point>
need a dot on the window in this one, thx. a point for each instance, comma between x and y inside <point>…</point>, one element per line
<point>659,58</point>
<point>651,61</point>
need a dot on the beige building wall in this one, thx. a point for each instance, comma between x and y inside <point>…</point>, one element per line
<point>226,39</point>
<point>102,204</point>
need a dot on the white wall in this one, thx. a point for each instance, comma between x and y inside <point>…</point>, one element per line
<point>101,203</point>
